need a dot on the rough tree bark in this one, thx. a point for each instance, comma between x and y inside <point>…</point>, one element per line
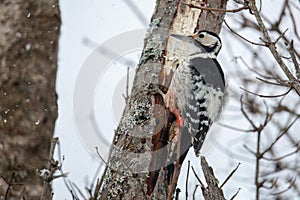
<point>144,161</point>
<point>29,32</point>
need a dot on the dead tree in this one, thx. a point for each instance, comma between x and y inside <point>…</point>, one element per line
<point>142,163</point>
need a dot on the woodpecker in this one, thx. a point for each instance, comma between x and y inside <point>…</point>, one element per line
<point>197,89</point>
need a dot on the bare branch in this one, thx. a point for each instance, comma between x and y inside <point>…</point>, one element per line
<point>279,136</point>
<point>48,174</point>
<point>242,37</point>
<point>273,83</point>
<point>187,181</point>
<point>197,177</point>
<point>256,72</point>
<point>78,190</point>
<point>289,187</point>
<point>97,190</point>
<point>281,36</point>
<point>135,10</point>
<point>267,96</point>
<point>230,175</point>
<point>258,184</point>
<point>293,19</point>
<point>195,190</point>
<point>215,9</point>
<point>9,185</point>
<point>235,195</point>
<point>275,27</point>
<point>271,46</point>
<point>294,59</point>
<point>246,115</point>
<point>235,128</point>
<point>282,157</point>
<point>177,192</point>
<point>248,149</point>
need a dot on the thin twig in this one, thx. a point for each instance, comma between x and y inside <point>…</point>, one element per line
<point>257,166</point>
<point>276,28</point>
<point>246,115</point>
<point>273,83</point>
<point>256,72</point>
<point>281,15</point>
<point>294,59</point>
<point>274,182</point>
<point>61,169</point>
<point>177,192</point>
<point>195,190</point>
<point>281,36</point>
<point>235,128</point>
<point>107,52</point>
<point>235,195</point>
<point>102,177</point>
<point>279,136</point>
<point>51,168</point>
<point>97,190</point>
<point>79,191</point>
<point>293,19</point>
<point>95,180</point>
<point>187,181</point>
<point>230,175</point>
<point>267,96</point>
<point>10,184</point>
<point>248,149</point>
<point>73,191</point>
<point>215,9</point>
<point>127,85</point>
<point>138,13</point>
<point>292,182</point>
<point>242,37</point>
<point>102,159</point>
<point>282,157</point>
<point>197,177</point>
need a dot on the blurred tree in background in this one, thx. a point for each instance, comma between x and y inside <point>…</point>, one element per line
<point>29,32</point>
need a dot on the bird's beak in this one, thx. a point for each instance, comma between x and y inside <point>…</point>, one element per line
<point>193,35</point>
<point>180,37</point>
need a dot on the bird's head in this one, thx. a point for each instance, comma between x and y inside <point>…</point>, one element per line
<point>208,40</point>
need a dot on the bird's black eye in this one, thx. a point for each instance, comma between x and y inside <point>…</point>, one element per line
<point>201,35</point>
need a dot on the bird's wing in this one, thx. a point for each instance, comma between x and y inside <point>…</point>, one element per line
<point>204,104</point>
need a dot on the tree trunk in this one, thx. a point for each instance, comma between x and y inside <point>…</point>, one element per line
<point>146,154</point>
<point>28,57</point>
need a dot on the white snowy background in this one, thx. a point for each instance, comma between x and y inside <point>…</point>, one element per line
<point>89,23</point>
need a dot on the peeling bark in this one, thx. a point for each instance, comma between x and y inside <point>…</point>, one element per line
<point>28,59</point>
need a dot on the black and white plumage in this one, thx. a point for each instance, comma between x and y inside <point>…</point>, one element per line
<point>196,92</point>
